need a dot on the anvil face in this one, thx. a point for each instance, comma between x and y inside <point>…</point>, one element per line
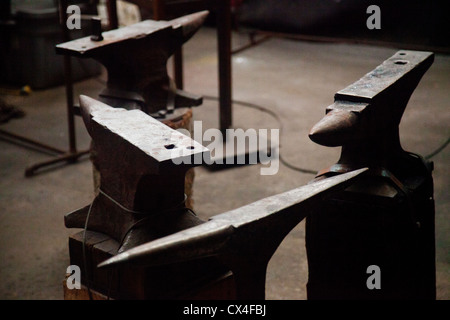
<point>178,31</point>
<point>391,73</point>
<point>87,46</point>
<point>145,136</point>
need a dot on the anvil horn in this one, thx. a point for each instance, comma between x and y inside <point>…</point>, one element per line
<point>244,239</point>
<point>340,124</point>
<point>190,23</point>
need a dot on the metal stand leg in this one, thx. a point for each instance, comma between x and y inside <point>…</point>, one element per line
<point>72,154</point>
<point>225,73</point>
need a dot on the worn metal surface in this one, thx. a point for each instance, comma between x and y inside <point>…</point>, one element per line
<point>141,195</point>
<point>243,239</point>
<point>387,218</point>
<point>136,57</point>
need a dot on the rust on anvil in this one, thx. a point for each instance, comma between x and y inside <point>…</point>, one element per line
<point>136,57</point>
<point>365,116</point>
<point>142,164</point>
<point>243,239</point>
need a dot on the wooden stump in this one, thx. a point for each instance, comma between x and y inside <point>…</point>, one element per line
<point>204,279</point>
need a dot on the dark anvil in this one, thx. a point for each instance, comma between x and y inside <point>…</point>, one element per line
<point>136,57</point>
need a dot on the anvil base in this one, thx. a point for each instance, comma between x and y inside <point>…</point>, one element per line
<point>203,279</point>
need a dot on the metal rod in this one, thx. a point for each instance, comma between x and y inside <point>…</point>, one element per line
<point>69,100</point>
<point>113,20</point>
<point>68,157</point>
<point>30,141</point>
<point>225,72</point>
<point>68,78</point>
<point>159,13</point>
<point>178,67</point>
<point>158,10</point>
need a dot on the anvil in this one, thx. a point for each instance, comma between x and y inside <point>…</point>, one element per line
<point>136,57</point>
<point>141,195</point>
<point>243,239</point>
<point>387,218</point>
<point>365,116</point>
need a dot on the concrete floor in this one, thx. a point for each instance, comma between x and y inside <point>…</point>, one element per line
<point>295,79</point>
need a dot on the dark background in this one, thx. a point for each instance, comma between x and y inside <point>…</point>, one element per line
<point>411,22</point>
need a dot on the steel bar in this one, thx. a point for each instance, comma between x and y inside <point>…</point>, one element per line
<point>113,19</point>
<point>225,68</point>
<point>159,14</point>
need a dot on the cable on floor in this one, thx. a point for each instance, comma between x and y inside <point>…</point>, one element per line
<point>438,150</point>
<point>280,124</point>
